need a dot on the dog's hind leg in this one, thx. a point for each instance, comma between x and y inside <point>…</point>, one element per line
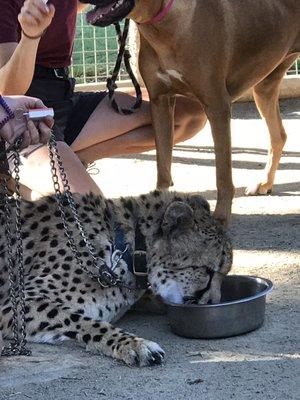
<point>266,95</point>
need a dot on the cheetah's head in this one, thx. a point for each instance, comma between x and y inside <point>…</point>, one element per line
<point>187,251</point>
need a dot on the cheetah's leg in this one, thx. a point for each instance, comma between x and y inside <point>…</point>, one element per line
<point>213,295</point>
<point>56,322</point>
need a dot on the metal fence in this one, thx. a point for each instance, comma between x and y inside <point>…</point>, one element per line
<point>295,70</point>
<point>95,52</point>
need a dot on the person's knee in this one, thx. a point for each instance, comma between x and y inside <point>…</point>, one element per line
<point>39,160</point>
<point>66,153</point>
<point>195,125</point>
<point>189,122</point>
<point>63,147</point>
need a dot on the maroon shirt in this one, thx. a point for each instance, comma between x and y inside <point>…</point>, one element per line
<point>55,47</point>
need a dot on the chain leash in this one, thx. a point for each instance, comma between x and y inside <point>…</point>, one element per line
<point>105,276</point>
<point>18,345</point>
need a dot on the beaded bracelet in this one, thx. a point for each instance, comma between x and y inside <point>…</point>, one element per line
<point>10,115</point>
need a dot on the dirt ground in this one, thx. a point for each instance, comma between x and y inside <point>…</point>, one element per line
<point>262,365</point>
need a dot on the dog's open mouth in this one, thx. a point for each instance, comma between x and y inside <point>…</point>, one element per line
<point>107,12</point>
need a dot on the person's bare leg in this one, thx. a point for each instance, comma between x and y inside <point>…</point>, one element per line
<point>107,134</point>
<point>105,123</point>
<point>136,141</point>
<point>35,173</point>
<point>118,139</point>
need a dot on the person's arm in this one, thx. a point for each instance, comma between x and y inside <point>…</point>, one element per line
<point>17,60</point>
<point>17,66</point>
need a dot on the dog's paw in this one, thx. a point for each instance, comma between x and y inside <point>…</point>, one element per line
<point>137,352</point>
<point>257,189</point>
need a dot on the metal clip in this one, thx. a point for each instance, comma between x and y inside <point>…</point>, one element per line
<point>116,256</point>
<point>107,279</point>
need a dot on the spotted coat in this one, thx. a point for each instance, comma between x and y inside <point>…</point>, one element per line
<point>183,242</point>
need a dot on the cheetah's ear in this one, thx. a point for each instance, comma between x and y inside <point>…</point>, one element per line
<point>196,201</point>
<point>178,216</point>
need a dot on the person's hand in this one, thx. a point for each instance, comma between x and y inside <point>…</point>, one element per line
<point>33,133</point>
<point>35,17</point>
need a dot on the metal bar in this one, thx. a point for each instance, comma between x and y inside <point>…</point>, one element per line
<point>95,53</point>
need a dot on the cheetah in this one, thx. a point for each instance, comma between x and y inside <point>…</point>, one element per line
<point>187,255</point>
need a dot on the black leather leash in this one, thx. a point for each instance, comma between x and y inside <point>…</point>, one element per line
<point>111,82</point>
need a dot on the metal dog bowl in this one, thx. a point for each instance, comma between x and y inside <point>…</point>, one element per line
<point>242,309</point>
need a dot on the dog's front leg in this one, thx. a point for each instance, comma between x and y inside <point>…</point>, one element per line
<point>162,110</point>
<point>219,119</point>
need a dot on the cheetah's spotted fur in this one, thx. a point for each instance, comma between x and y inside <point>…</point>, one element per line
<point>63,303</point>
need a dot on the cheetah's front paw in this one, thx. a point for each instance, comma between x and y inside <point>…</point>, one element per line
<point>138,352</point>
<point>211,297</point>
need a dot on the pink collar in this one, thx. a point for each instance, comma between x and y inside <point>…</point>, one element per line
<point>161,15</point>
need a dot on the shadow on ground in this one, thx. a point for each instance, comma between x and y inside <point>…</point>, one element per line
<point>280,232</point>
<point>205,162</point>
<point>262,362</point>
<point>289,109</point>
<point>280,190</point>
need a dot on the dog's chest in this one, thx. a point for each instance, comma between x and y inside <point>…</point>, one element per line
<point>174,81</point>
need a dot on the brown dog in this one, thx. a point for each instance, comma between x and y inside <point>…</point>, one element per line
<point>212,50</point>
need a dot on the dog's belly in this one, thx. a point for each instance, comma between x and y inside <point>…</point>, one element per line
<point>248,74</point>
<point>241,77</point>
